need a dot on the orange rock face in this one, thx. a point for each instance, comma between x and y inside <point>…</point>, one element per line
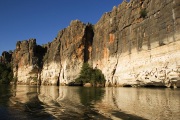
<point>111,38</point>
<point>128,48</point>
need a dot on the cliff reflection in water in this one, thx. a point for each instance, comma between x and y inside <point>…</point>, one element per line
<point>52,102</point>
<point>60,102</point>
<point>159,104</point>
<point>70,102</point>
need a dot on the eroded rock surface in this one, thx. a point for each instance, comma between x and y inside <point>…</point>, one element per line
<point>66,54</point>
<point>27,62</point>
<point>131,50</point>
<point>136,44</point>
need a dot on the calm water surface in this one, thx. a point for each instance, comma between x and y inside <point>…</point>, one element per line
<point>79,103</point>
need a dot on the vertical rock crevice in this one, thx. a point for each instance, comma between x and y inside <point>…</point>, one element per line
<point>88,37</point>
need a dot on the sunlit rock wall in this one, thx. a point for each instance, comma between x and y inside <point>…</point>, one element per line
<point>136,44</point>
<point>132,49</point>
<point>51,64</point>
<point>26,61</point>
<point>66,54</point>
<point>76,44</point>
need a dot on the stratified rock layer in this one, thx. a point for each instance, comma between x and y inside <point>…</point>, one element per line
<point>66,54</point>
<point>136,44</point>
<point>27,61</point>
<point>135,50</point>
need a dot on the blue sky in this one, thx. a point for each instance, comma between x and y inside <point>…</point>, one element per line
<point>42,19</point>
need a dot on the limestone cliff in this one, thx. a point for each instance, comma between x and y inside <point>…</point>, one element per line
<point>137,44</point>
<point>66,54</point>
<point>27,61</point>
<point>132,49</point>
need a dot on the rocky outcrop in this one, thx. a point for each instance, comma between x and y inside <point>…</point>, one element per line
<point>27,61</point>
<point>66,54</point>
<point>135,50</point>
<point>6,57</point>
<point>136,44</point>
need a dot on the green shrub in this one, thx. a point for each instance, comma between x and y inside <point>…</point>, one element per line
<point>143,13</point>
<point>90,75</point>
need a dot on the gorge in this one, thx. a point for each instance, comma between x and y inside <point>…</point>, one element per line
<point>136,44</point>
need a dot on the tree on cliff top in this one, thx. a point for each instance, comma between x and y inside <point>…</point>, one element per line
<point>90,75</point>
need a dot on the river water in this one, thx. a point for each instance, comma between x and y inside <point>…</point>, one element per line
<point>80,103</point>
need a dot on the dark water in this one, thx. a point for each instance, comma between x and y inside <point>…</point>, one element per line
<point>79,103</point>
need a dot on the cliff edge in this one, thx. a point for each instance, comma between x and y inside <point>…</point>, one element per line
<point>136,44</point>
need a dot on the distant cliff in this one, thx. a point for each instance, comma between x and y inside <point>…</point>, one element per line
<point>27,61</point>
<point>136,44</point>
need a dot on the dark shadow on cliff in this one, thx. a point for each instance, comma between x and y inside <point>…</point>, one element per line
<point>126,116</point>
<point>40,52</point>
<point>88,37</point>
